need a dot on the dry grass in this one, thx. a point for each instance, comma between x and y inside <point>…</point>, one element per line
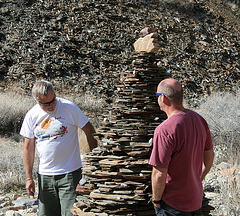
<point>230,190</point>
<point>13,108</point>
<point>223,116</point>
<point>92,106</point>
<point>12,170</point>
<point>12,173</point>
<point>88,102</point>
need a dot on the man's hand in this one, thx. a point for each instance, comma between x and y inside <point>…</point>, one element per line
<point>30,187</point>
<point>157,205</point>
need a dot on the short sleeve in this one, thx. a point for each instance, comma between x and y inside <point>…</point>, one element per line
<point>162,150</point>
<point>81,119</point>
<point>27,129</point>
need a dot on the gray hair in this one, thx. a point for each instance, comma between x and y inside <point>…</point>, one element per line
<point>41,87</point>
<point>175,96</point>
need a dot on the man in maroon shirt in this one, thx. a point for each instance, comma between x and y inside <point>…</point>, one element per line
<point>182,154</point>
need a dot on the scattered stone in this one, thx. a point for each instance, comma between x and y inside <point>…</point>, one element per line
<point>223,165</point>
<point>146,31</point>
<point>12,213</point>
<point>23,202</point>
<point>85,46</point>
<point>18,205</point>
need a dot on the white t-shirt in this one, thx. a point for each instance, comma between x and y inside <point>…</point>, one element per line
<point>56,136</point>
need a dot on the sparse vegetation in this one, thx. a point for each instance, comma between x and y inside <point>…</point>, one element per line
<point>223,116</point>
<point>88,102</point>
<point>92,106</point>
<point>11,163</point>
<point>13,108</point>
<point>221,112</point>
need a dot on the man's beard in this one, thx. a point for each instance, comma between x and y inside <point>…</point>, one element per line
<point>50,112</point>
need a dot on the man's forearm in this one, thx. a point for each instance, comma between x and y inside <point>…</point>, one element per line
<point>159,176</point>
<point>207,163</point>
<point>28,156</point>
<point>28,162</point>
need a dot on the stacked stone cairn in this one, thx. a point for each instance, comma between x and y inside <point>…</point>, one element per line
<point>117,175</point>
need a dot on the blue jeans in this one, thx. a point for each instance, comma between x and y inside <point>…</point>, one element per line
<point>167,210</point>
<point>57,193</point>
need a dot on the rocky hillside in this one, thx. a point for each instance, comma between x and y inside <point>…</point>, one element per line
<point>85,45</point>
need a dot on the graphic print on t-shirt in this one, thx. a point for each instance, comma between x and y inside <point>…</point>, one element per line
<point>46,124</point>
<point>50,128</point>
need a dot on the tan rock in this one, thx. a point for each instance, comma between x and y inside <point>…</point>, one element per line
<point>227,172</point>
<point>147,44</point>
<point>83,143</point>
<point>77,211</point>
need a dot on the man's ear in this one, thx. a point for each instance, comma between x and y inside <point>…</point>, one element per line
<point>165,100</point>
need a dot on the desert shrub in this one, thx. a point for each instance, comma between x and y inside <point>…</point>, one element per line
<point>230,191</point>
<point>12,174</point>
<point>223,116</point>
<point>13,108</point>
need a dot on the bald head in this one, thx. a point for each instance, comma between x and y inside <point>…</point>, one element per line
<point>173,89</point>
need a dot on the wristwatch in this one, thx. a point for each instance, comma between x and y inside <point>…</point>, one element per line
<point>156,201</point>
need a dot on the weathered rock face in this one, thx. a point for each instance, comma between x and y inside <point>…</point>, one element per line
<point>84,45</point>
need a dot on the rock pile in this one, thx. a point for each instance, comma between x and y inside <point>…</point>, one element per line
<point>118,175</point>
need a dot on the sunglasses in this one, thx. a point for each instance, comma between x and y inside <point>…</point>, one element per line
<point>159,94</point>
<point>48,103</point>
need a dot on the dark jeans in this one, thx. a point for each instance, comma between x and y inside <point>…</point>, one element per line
<point>167,210</point>
<point>57,193</point>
